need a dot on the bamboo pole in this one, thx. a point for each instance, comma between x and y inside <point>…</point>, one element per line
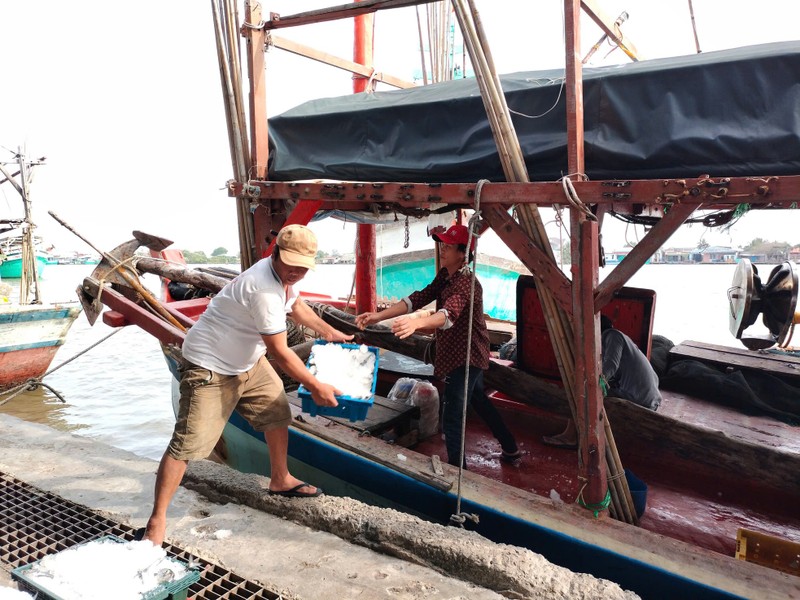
<point>236,134</point>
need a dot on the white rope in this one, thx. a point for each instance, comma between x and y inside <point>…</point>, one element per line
<point>458,518</point>
<point>574,200</point>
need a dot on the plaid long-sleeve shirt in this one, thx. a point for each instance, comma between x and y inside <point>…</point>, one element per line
<point>452,294</point>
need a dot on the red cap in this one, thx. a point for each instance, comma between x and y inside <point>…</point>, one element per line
<point>457,234</point>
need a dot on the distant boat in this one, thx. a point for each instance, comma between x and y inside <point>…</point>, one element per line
<point>617,256</point>
<point>400,274</point>
<point>30,336</point>
<point>11,268</point>
<point>11,254</point>
<point>31,331</point>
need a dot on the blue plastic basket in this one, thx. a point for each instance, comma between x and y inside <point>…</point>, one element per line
<point>173,590</point>
<point>355,409</point>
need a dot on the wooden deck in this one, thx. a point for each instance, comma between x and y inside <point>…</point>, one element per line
<point>783,365</point>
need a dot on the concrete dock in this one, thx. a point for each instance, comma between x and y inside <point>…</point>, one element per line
<point>320,548</point>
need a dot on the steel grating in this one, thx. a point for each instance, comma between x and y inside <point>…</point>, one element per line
<point>34,523</point>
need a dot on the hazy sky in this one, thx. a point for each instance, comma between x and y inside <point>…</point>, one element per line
<point>124,100</point>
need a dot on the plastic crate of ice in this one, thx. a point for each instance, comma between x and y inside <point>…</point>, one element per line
<point>172,590</point>
<point>355,409</point>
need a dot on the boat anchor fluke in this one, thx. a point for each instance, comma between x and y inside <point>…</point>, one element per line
<point>115,268</point>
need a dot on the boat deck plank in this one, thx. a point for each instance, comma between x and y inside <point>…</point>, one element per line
<point>781,365</point>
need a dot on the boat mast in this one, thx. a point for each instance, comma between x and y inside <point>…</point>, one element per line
<point>29,279</point>
<point>30,274</point>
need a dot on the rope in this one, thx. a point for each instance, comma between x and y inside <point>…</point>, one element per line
<point>574,200</point>
<point>31,384</point>
<point>459,518</point>
<point>595,508</point>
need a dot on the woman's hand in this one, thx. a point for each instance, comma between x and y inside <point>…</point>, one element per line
<point>404,327</point>
<point>367,318</point>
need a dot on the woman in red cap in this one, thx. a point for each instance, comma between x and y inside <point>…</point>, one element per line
<point>452,291</point>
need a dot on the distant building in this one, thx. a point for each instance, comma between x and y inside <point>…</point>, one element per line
<point>677,256</point>
<point>715,255</point>
<point>794,254</point>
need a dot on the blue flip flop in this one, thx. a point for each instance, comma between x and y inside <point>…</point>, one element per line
<point>296,493</point>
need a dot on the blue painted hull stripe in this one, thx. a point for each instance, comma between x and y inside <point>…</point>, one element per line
<point>18,347</point>
<point>26,316</point>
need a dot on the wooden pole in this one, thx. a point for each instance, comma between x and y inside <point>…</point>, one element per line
<point>694,27</point>
<point>422,60</point>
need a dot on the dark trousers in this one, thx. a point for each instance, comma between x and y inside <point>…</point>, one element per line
<point>454,407</point>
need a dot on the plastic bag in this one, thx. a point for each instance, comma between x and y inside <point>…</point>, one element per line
<point>401,390</point>
<point>425,395</point>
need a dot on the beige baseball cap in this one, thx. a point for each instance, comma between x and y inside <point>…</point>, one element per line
<point>298,246</point>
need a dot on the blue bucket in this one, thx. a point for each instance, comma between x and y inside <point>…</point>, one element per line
<point>638,492</point>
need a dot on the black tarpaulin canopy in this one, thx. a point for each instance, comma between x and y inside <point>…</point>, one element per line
<point>727,113</point>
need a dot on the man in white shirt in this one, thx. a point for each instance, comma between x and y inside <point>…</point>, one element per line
<point>224,369</point>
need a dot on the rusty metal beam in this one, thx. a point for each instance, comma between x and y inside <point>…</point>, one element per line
<point>334,13</point>
<point>529,254</point>
<point>585,265</point>
<point>617,194</point>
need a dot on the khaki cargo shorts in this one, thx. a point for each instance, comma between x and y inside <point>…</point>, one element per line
<point>208,399</point>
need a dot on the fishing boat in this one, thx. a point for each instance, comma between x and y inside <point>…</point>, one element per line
<point>722,480</point>
<point>11,243</point>
<point>31,331</point>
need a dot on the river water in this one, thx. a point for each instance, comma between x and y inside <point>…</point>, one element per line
<point>119,392</point>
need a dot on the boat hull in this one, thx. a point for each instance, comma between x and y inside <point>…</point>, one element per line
<point>11,268</point>
<point>30,336</point>
<point>504,516</point>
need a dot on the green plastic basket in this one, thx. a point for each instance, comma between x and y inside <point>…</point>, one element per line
<point>172,590</point>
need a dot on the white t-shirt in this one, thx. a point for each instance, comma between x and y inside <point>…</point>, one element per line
<point>227,336</point>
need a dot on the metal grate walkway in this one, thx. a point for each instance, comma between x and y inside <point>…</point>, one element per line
<point>34,523</point>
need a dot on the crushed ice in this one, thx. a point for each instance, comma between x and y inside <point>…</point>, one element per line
<point>350,370</point>
<point>105,569</point>
<point>11,594</point>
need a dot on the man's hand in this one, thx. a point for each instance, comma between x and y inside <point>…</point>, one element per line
<point>324,394</point>
<point>337,336</point>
